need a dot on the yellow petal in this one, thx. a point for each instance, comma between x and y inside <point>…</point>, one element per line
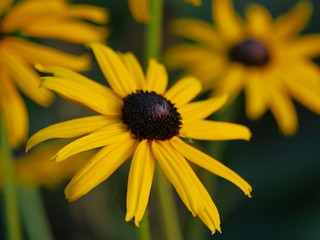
<point>99,168</point>
<point>227,21</point>
<point>257,100</point>
<point>88,12</point>
<point>140,181</point>
<point>202,109</point>
<point>197,30</point>
<point>305,46</point>
<point>180,174</point>
<point>35,53</point>
<point>183,91</point>
<point>140,10</point>
<point>194,2</point>
<point>212,130</point>
<point>24,11</point>
<point>87,93</point>
<point>13,109</point>
<point>26,78</point>
<point>294,21</point>
<point>67,30</point>
<point>283,110</point>
<point>114,70</point>
<point>205,161</point>
<point>157,77</point>
<point>101,137</point>
<point>134,69</point>
<point>260,22</point>
<point>70,129</point>
<point>232,81</point>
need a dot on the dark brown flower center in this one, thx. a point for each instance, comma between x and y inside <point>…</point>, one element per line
<point>150,116</point>
<point>250,53</point>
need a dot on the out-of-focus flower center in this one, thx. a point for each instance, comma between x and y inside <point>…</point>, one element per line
<point>250,53</point>
<point>150,116</point>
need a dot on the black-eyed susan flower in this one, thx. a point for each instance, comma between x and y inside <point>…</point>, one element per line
<point>139,118</point>
<point>140,9</point>
<point>264,57</point>
<point>38,19</point>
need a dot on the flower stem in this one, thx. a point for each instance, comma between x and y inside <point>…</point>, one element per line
<point>9,188</point>
<point>33,214</point>
<point>154,30</point>
<point>167,208</point>
<point>143,231</point>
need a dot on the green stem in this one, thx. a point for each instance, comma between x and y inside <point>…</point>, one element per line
<point>33,214</point>
<point>144,229</point>
<point>9,188</point>
<point>154,30</point>
<point>167,208</point>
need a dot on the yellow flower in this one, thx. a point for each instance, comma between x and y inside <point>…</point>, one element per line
<point>35,169</point>
<point>264,57</point>
<point>38,19</point>
<point>140,9</point>
<point>138,118</point>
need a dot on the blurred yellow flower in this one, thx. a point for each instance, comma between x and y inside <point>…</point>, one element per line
<point>38,19</point>
<point>34,169</point>
<point>140,9</point>
<point>265,57</point>
<point>138,118</point>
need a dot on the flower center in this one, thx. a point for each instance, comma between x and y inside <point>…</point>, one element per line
<point>150,116</point>
<point>251,53</point>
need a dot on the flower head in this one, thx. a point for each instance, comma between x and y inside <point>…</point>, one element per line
<point>139,118</point>
<point>264,57</point>
<point>38,19</point>
<point>140,9</point>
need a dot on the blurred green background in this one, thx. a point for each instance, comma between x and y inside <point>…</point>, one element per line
<point>283,171</point>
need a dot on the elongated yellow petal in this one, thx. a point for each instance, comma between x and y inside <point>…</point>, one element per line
<point>283,110</point>
<point>212,130</point>
<point>13,109</point>
<point>88,12</point>
<point>99,138</point>
<point>205,161</point>
<point>26,78</point>
<point>157,77</point>
<point>72,31</point>
<point>180,174</point>
<point>140,181</point>
<point>202,109</point>
<point>183,91</point>
<point>227,21</point>
<point>305,46</point>
<point>87,93</point>
<point>232,81</point>
<point>197,30</point>
<point>24,11</point>
<point>114,70</point>
<point>134,69</point>
<point>70,129</point>
<point>140,10</point>
<point>36,53</point>
<point>257,100</point>
<point>294,21</point>
<point>260,22</point>
<point>99,168</point>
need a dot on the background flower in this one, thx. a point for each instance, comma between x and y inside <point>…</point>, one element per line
<point>264,57</point>
<point>23,22</point>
